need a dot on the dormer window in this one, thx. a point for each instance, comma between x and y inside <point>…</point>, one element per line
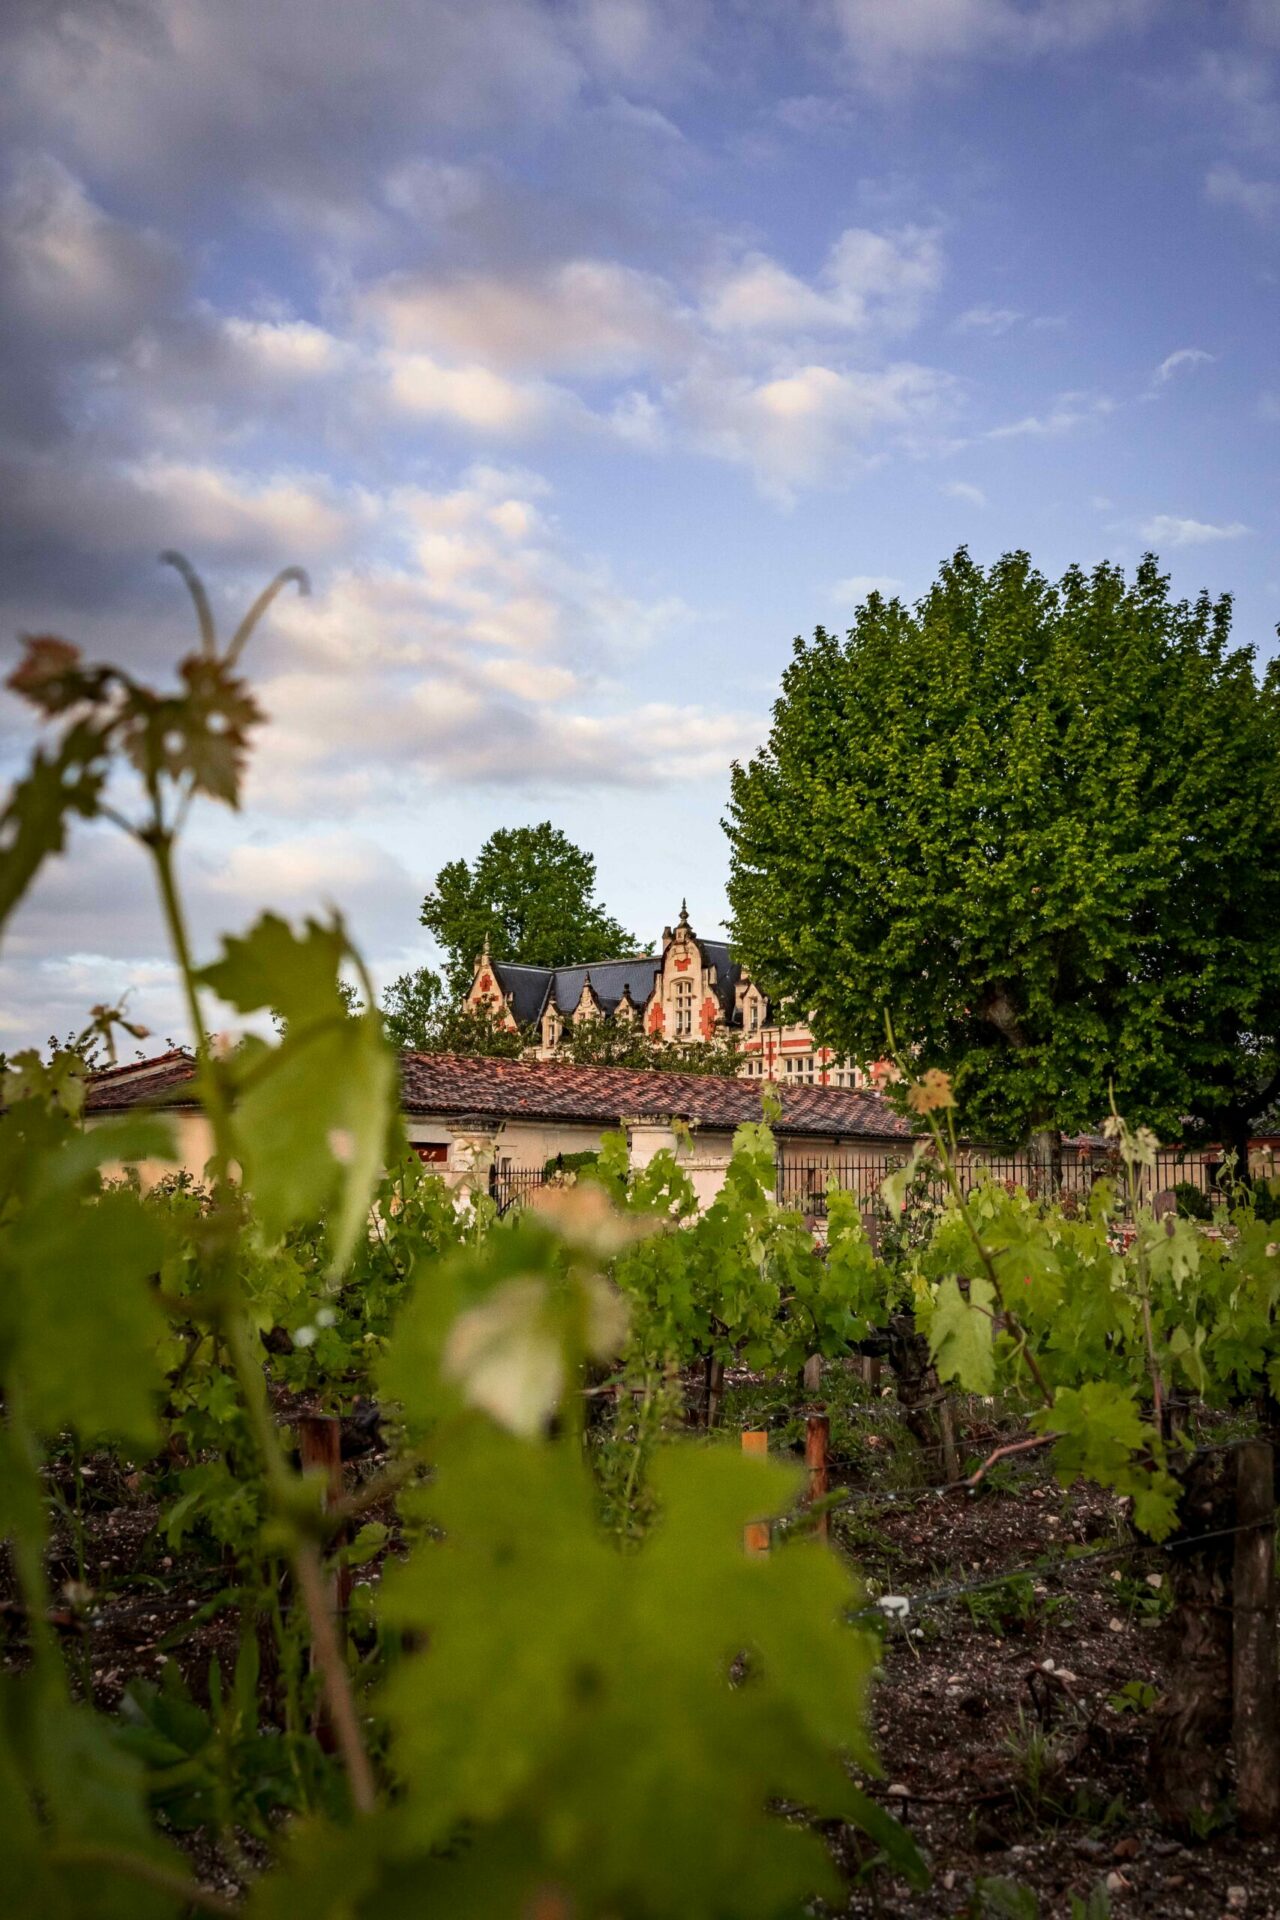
<point>684,1009</point>
<point>753,1016</point>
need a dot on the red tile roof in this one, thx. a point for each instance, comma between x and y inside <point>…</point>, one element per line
<point>443,1083</point>
<point>166,1079</point>
<point>449,1085</point>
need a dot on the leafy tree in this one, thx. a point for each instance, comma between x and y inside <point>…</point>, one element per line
<point>411,1008</point>
<point>1039,824</point>
<point>418,1015</point>
<point>531,894</point>
<point>610,1043</point>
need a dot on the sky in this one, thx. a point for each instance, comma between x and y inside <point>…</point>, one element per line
<point>584,354</point>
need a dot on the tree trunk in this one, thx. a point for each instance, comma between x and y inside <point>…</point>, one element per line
<point>922,1396</point>
<point>1256,1731</point>
<point>1191,1724</point>
<point>1046,1160</point>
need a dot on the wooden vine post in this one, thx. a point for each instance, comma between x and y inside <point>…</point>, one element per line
<point>320,1451</point>
<point>1256,1707</point>
<point>817,1435</point>
<point>1191,1724</point>
<point>755,1535</point>
<point>713,1392</point>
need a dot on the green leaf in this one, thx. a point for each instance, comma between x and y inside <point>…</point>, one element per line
<point>67,1785</point>
<point>1102,1435</point>
<point>272,967</point>
<point>571,1734</point>
<point>313,1115</point>
<point>34,822</point>
<point>961,1334</point>
<point>79,1323</point>
<point>80,1326</point>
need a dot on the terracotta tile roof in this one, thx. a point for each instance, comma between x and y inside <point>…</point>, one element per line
<point>455,1084</point>
<point>163,1080</point>
<point>443,1083</point>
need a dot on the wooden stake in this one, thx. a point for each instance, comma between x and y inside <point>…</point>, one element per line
<point>755,1535</point>
<point>817,1434</point>
<point>714,1393</point>
<point>1256,1724</point>
<point>813,1375</point>
<point>320,1451</point>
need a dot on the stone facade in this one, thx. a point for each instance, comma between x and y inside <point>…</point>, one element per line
<point>692,992</point>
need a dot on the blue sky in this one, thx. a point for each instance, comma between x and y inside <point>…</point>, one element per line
<point>585,353</point>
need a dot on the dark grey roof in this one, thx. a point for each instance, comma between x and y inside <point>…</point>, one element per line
<point>525,987</point>
<point>609,978</point>
<point>530,988</point>
<point>716,953</point>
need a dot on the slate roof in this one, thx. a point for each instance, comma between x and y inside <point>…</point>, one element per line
<point>446,1084</point>
<point>530,988</point>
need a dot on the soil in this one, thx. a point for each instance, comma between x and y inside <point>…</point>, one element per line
<point>1009,1744</point>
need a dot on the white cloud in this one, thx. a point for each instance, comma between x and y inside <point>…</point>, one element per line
<point>287,349</point>
<point>1069,411</point>
<point>90,931</point>
<point>216,510</point>
<point>1226,186</point>
<point>472,397</point>
<point>1180,362</point>
<point>889,38</point>
<point>992,320</point>
<point>1169,530</point>
<point>587,317</point>
<point>867,279</point>
<point>854,590</point>
<point>966,491</point>
<point>811,425</point>
<point>291,94</point>
<point>70,268</point>
<point>1237,89</point>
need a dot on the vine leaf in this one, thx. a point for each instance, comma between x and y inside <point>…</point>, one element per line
<point>33,825</point>
<point>960,1334</point>
<point>313,1114</point>
<point>1103,1437</point>
<point>573,1723</point>
<point>79,1326</point>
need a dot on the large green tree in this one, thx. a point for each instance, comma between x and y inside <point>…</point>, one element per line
<point>421,1016</point>
<point>1039,825</point>
<point>531,894</point>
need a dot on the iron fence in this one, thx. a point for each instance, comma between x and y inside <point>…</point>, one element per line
<point>515,1186</point>
<point>803,1180</point>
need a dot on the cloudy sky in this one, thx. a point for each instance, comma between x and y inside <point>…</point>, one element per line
<point>584,353</point>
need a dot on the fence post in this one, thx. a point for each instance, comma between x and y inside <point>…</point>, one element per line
<point>817,1434</point>
<point>320,1451</point>
<point>1255,1726</point>
<point>755,1535</point>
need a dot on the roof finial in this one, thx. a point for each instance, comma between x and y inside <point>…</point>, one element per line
<point>684,913</point>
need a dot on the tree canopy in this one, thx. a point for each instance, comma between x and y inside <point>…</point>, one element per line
<point>1039,825</point>
<point>531,894</point>
<point>419,1015</point>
